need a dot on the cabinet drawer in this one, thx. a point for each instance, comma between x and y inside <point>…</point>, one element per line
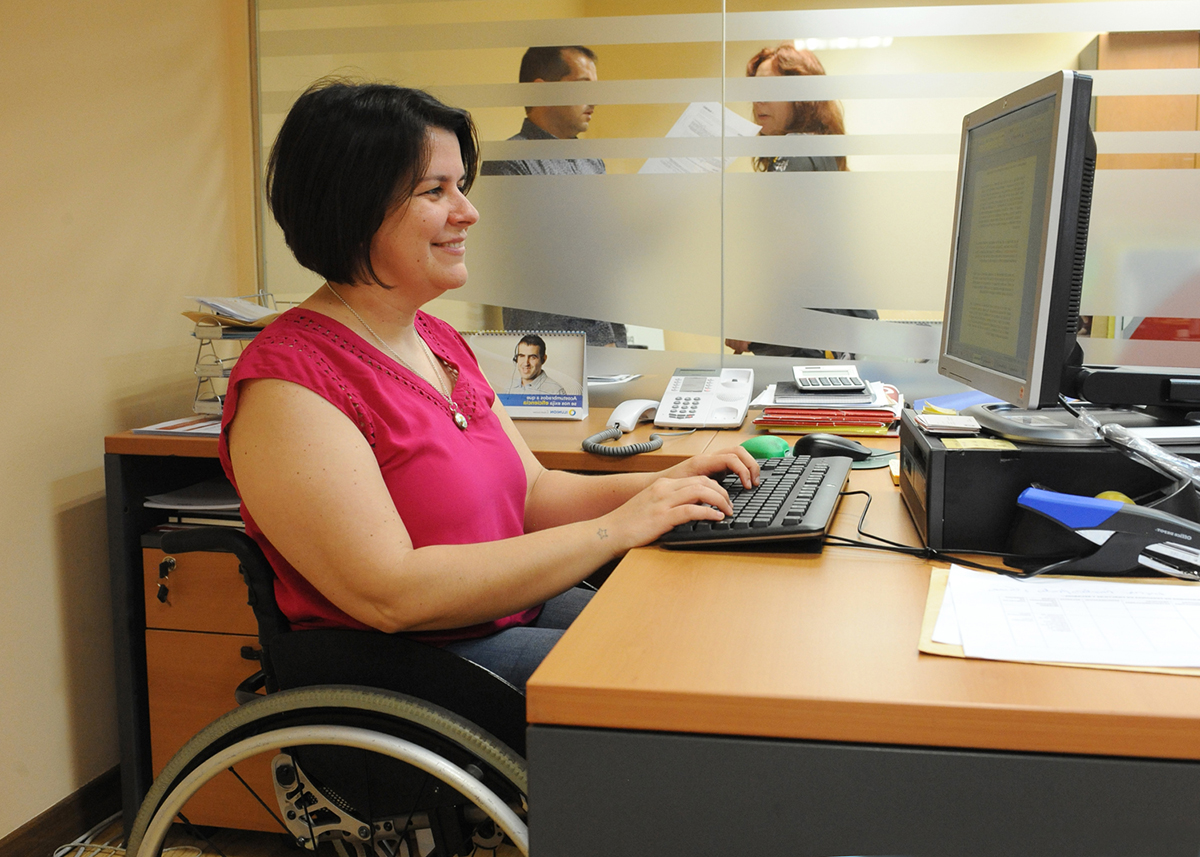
<point>191,678</point>
<point>205,593</point>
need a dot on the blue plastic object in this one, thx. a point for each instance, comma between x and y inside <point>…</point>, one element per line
<point>1070,510</point>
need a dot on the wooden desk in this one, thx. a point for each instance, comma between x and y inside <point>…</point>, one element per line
<point>556,443</point>
<point>776,704</point>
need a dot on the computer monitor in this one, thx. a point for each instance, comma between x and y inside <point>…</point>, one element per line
<point>1020,234</point>
<point>1026,167</point>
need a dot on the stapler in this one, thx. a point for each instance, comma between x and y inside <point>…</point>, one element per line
<point>1127,537</point>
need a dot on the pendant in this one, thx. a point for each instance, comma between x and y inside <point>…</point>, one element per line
<point>460,421</point>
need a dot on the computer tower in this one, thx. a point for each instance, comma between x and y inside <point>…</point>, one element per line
<point>963,496</point>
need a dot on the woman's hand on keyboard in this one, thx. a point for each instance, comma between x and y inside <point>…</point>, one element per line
<point>666,503</point>
<point>685,492</point>
<point>733,460</point>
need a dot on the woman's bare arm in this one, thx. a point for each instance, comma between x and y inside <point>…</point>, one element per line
<point>316,491</point>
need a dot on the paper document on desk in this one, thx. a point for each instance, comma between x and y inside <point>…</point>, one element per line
<point>1071,621</point>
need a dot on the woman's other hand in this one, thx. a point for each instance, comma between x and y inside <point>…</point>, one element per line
<point>685,492</point>
<point>663,505</point>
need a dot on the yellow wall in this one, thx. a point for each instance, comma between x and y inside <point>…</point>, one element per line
<point>125,185</point>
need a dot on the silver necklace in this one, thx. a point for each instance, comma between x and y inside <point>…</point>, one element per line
<point>459,419</point>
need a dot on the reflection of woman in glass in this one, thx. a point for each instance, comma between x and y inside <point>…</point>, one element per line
<point>779,118</point>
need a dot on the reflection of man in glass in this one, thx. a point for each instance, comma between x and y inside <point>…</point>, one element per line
<point>552,122</point>
<point>530,357</point>
<point>556,122</point>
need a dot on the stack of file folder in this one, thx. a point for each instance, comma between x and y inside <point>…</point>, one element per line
<point>874,411</point>
<point>211,503</point>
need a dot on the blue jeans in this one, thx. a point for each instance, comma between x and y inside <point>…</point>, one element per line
<point>515,653</point>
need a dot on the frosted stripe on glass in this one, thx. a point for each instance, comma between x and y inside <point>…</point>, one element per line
<point>664,147</point>
<point>803,328</point>
<point>1107,143</point>
<point>981,85</point>
<point>985,85</point>
<point>1145,81</point>
<point>629,30</point>
<point>847,144</point>
<point>1150,142</point>
<point>1144,244</point>
<point>1140,352</point>
<point>678,91</point>
<point>1129,16</point>
<point>642,249</point>
<point>861,240</point>
<point>681,90</point>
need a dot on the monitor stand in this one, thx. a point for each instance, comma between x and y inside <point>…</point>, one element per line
<point>1053,426</point>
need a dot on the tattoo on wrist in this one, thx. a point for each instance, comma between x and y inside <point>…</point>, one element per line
<point>602,533</point>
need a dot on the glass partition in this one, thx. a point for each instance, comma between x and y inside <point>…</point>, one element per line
<point>686,242</point>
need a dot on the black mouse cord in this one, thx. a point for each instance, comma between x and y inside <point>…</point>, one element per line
<point>925,553</point>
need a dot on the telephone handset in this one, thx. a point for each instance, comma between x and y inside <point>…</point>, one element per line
<point>631,412</point>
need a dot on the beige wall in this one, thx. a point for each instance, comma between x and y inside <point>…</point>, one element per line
<point>125,185</point>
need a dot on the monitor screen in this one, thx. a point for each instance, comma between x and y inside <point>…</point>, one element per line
<point>1020,232</point>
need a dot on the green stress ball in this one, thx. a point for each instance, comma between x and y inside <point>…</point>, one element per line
<point>766,446</point>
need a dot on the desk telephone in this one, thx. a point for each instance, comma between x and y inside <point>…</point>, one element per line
<point>694,398</point>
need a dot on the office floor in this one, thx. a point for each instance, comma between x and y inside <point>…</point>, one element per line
<point>236,843</point>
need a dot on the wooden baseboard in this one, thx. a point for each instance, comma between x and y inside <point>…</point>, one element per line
<point>68,819</point>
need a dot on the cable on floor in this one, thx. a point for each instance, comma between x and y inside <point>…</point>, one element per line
<point>86,846</point>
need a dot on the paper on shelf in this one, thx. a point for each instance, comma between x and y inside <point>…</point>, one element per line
<point>602,380</point>
<point>194,426</point>
<point>1085,621</point>
<point>211,495</point>
<point>239,309</point>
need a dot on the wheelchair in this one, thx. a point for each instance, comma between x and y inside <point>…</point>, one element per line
<point>386,747</point>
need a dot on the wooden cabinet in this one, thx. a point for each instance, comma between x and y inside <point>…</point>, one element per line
<point>1145,112</point>
<point>197,640</point>
<point>177,664</point>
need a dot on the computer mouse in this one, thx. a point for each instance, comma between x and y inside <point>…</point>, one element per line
<point>820,445</point>
<point>766,446</point>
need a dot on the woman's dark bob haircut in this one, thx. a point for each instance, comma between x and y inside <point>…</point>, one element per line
<point>348,154</point>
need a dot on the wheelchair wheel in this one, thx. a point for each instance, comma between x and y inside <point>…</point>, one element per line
<point>475,778</point>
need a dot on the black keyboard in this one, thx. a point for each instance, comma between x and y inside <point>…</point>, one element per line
<point>796,499</point>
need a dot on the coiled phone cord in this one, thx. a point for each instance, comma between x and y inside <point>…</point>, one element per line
<point>595,444</point>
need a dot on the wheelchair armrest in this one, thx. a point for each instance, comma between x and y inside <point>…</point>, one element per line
<point>257,572</point>
<point>247,691</point>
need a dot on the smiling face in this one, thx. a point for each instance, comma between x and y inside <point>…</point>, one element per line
<point>529,361</point>
<point>421,245</point>
<point>775,117</point>
<point>568,121</point>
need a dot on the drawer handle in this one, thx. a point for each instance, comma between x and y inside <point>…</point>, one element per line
<point>163,594</point>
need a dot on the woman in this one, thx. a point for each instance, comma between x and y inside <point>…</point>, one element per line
<point>779,118</point>
<point>377,471</point>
